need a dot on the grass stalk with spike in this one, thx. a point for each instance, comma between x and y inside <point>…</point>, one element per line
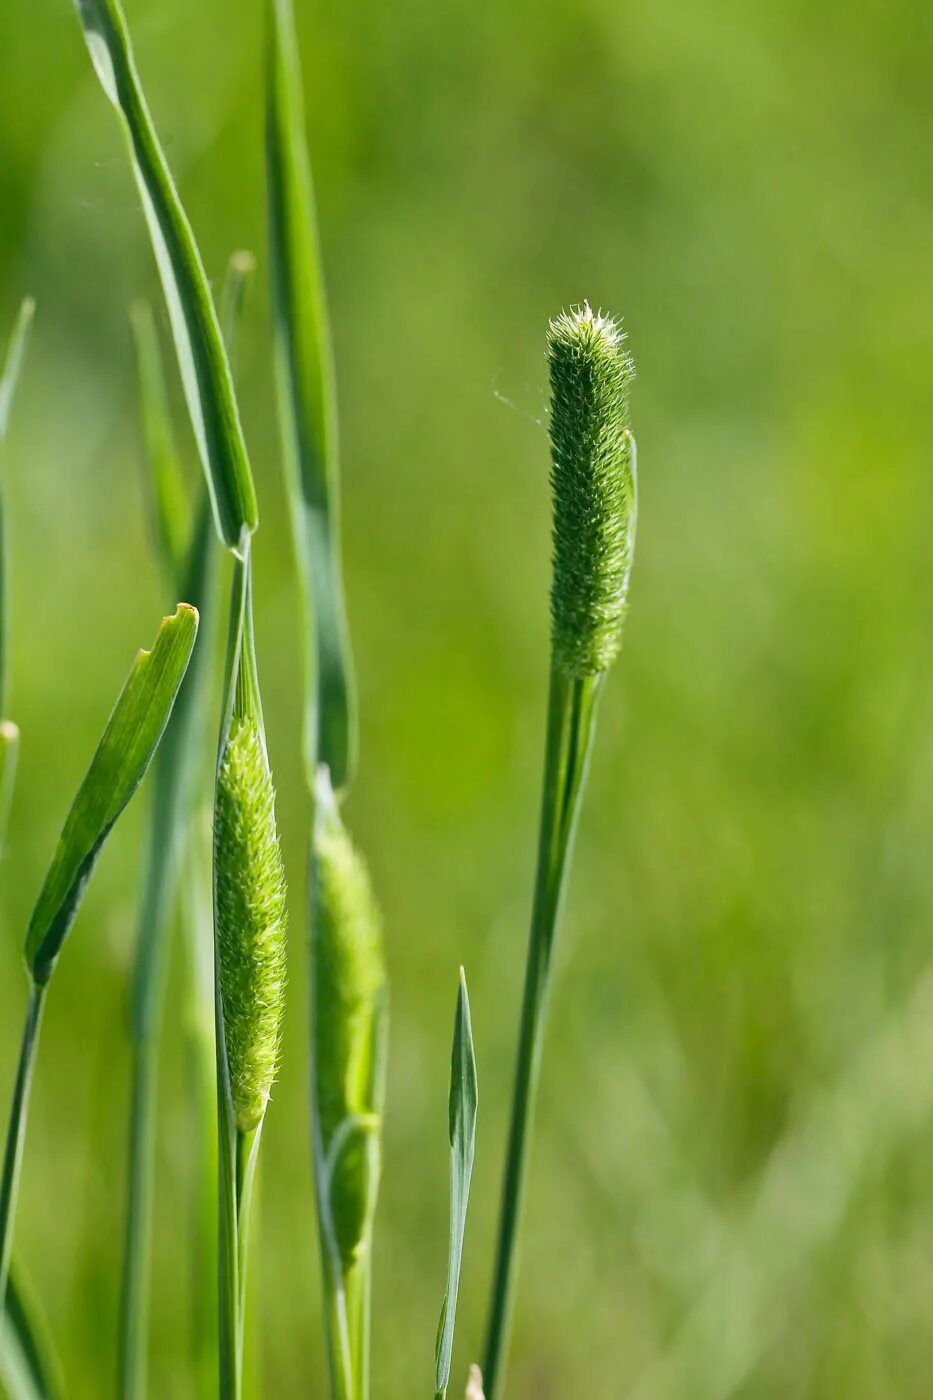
<point>594,485</point>
<point>348,982</point>
<point>186,549</point>
<point>249,960</point>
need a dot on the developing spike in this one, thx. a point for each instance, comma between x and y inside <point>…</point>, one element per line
<point>350,1005</point>
<point>593,478</point>
<point>251,920</point>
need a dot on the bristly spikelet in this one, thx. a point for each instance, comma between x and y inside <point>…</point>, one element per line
<point>251,920</point>
<point>350,1009</point>
<point>594,486</point>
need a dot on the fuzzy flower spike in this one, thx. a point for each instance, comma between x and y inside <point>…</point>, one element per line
<point>593,478</point>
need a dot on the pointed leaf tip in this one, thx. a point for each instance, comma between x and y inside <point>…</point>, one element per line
<point>129,741</point>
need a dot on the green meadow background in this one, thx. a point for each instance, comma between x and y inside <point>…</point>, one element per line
<point>732,1190</point>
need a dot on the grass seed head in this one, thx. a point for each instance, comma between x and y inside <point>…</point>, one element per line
<point>350,1004</point>
<point>594,486</point>
<point>251,920</point>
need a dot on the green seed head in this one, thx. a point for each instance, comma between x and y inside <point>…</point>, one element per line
<point>595,490</point>
<point>350,1012</point>
<point>251,920</point>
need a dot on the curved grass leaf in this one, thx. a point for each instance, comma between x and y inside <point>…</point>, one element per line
<point>202,359</point>
<point>14,360</point>
<point>117,768</point>
<point>29,1366</point>
<point>307,407</point>
<point>462,1110</point>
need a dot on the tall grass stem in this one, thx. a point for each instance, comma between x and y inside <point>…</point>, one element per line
<point>571,712</point>
<point>16,1132</point>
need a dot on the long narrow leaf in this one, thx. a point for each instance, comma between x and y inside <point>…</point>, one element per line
<point>308,407</point>
<point>8,383</point>
<point>9,751</point>
<point>14,360</point>
<point>463,1103</point>
<point>29,1366</point>
<point>205,370</point>
<point>166,495</point>
<point>117,768</point>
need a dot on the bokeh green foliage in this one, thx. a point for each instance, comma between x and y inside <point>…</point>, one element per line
<point>730,1191</point>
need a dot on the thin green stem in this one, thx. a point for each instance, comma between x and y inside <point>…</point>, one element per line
<point>16,1132</point>
<point>571,710</point>
<point>238,1154</point>
<point>134,1301</point>
<point>339,1345</point>
<point>230,1359</point>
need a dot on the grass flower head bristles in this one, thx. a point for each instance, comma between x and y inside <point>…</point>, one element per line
<point>251,919</point>
<point>350,1013</point>
<point>594,485</point>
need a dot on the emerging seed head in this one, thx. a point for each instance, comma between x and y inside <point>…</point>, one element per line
<point>594,485</point>
<point>251,920</point>
<point>350,1013</point>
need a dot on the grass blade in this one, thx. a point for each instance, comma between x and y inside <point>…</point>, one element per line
<point>202,359</point>
<point>13,364</point>
<point>463,1103</point>
<point>240,271</point>
<point>9,752</point>
<point>8,382</point>
<point>29,1366</point>
<point>125,751</point>
<point>166,495</point>
<point>308,407</point>
<point>132,734</point>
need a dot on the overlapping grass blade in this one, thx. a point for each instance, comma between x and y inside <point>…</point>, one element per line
<point>125,751</point>
<point>9,752</point>
<point>240,271</point>
<point>308,407</point>
<point>29,1366</point>
<point>205,369</point>
<point>166,496</point>
<point>8,382</point>
<point>463,1103</point>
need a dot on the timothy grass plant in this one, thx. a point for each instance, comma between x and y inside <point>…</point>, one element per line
<point>183,539</point>
<point>249,915</point>
<point>594,486</point>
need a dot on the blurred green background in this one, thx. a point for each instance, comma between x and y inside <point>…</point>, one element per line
<point>731,1189</point>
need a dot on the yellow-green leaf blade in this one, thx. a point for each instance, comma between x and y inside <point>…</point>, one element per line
<point>8,382</point>
<point>129,741</point>
<point>29,1365</point>
<point>167,499</point>
<point>202,359</point>
<point>462,1128</point>
<point>308,408</point>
